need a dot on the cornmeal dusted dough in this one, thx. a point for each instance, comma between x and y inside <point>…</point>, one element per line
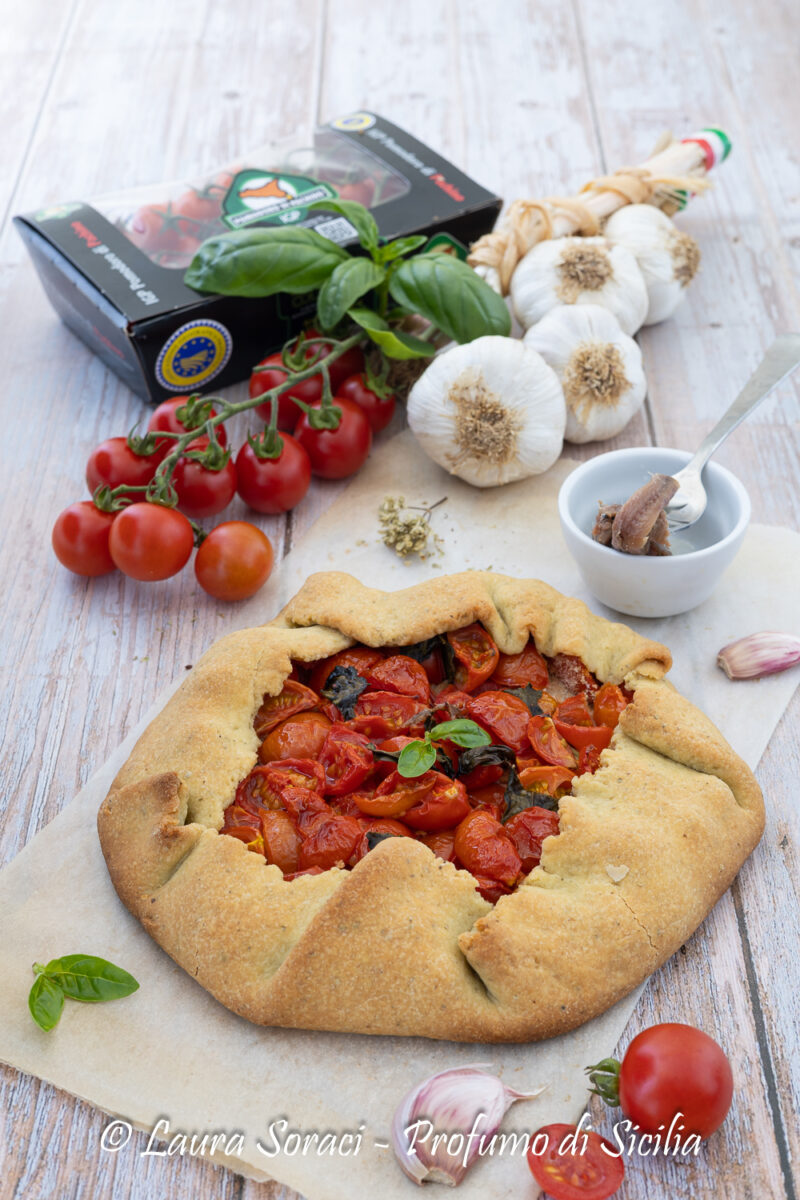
<point>403,943</point>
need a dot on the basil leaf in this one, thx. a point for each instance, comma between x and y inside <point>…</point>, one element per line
<point>343,687</point>
<point>374,837</point>
<point>451,295</point>
<point>461,732</point>
<point>383,755</point>
<point>392,342</point>
<point>444,763</point>
<point>46,1001</point>
<point>347,283</point>
<point>518,798</point>
<point>419,651</point>
<point>90,979</point>
<point>415,759</point>
<point>485,756</point>
<point>359,217</point>
<point>528,695</point>
<point>261,262</point>
<point>400,246</point>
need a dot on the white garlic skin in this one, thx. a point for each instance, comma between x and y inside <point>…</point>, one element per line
<point>538,283</point>
<point>650,236</point>
<point>518,380</point>
<point>560,336</point>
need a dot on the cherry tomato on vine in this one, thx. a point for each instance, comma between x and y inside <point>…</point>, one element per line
<point>336,453</point>
<point>234,561</point>
<point>270,374</point>
<point>162,234</point>
<point>165,419</point>
<point>575,1164</point>
<point>114,464</point>
<point>202,205</point>
<point>273,485</point>
<point>149,541</point>
<point>675,1068</point>
<point>377,408</point>
<point>201,491</point>
<point>80,539</point>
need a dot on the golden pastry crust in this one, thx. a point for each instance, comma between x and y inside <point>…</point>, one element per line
<point>403,943</point>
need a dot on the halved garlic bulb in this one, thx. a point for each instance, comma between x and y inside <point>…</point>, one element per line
<point>667,258</point>
<point>579,270</point>
<point>599,366</point>
<point>490,411</point>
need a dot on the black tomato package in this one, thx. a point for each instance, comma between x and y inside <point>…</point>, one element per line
<point>113,268</point>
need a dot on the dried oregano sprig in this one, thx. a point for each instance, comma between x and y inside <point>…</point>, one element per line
<point>406,533</point>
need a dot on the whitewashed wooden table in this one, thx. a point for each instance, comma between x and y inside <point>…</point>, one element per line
<point>531,98</point>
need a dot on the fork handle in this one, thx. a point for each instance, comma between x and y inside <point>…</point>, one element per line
<point>782,357</point>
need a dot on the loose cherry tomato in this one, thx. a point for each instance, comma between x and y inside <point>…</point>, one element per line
<point>80,539</point>
<point>164,419</point>
<point>444,806</point>
<point>360,657</point>
<point>382,825</point>
<point>303,805</point>
<point>401,674</point>
<point>491,798</point>
<point>442,844</point>
<point>377,408</point>
<point>671,1069</point>
<point>555,781</point>
<point>234,561</point>
<point>517,670</point>
<point>395,712</point>
<point>575,675</point>
<point>346,759</point>
<point>328,840</point>
<point>476,656</point>
<point>281,840</point>
<point>273,485</point>
<point>336,453</point>
<point>609,703</point>
<point>576,1164</point>
<point>114,464</point>
<point>293,698</point>
<point>484,848</point>
<point>504,717</point>
<point>527,830</point>
<point>548,743</point>
<point>201,491</point>
<point>149,542</point>
<point>301,736</point>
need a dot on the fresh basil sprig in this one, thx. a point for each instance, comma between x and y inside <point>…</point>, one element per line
<point>419,756</point>
<point>261,262</point>
<point>450,295</point>
<point>81,977</point>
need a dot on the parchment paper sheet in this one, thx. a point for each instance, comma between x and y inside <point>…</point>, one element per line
<point>171,1051</point>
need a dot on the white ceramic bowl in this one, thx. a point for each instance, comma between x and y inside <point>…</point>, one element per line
<point>651,586</point>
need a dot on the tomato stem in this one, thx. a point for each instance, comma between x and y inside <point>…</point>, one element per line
<point>605,1077</point>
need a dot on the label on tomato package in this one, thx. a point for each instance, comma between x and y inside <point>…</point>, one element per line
<point>271,199</point>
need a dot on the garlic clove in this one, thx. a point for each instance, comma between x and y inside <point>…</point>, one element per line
<point>667,257</point>
<point>579,270</point>
<point>759,654</point>
<point>438,1126</point>
<point>490,411</point>
<point>599,367</point>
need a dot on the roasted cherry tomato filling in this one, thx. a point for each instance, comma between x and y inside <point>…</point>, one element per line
<point>329,789</point>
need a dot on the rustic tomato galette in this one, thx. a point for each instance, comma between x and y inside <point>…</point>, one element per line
<point>468,810</point>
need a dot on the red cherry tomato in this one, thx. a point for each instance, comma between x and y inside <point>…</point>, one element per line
<point>671,1069</point>
<point>234,561</point>
<point>281,840</point>
<point>164,419</point>
<point>360,657</point>
<point>329,840</point>
<point>363,192</point>
<point>550,746</point>
<point>575,711</point>
<point>575,1164</point>
<point>552,780</point>
<point>575,675</point>
<point>504,717</point>
<point>253,839</point>
<point>527,830</point>
<point>609,703</point>
<point>395,712</point>
<point>589,759</point>
<point>580,736</point>
<point>273,485</point>
<point>271,373</point>
<point>378,409</point>
<point>476,656</point>
<point>396,795</point>
<point>293,698</point>
<point>517,670</point>
<point>149,542</point>
<point>80,539</point>
<point>443,807</point>
<point>201,491</point>
<point>485,849</point>
<point>114,464</point>
<point>400,674</point>
<point>200,206</point>
<point>346,760</point>
<point>442,844</point>
<point>347,364</point>
<point>381,825</point>
<point>162,233</point>
<point>336,453</point>
<point>301,736</point>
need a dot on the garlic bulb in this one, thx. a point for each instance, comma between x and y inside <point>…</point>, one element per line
<point>667,258</point>
<point>490,411</point>
<point>599,366</point>
<point>579,270</point>
<point>438,1127</point>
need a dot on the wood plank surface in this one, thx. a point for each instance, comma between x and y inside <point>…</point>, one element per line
<point>532,99</point>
